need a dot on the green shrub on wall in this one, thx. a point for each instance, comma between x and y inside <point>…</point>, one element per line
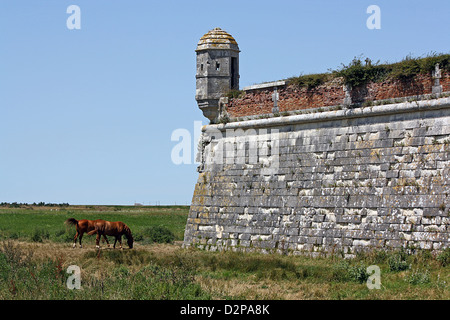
<point>362,70</point>
<point>235,94</point>
<point>310,81</point>
<point>358,72</point>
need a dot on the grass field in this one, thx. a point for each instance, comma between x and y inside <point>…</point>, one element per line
<point>28,221</point>
<point>35,251</point>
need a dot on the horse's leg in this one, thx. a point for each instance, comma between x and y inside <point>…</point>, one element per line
<point>106,239</point>
<point>75,240</point>
<point>120,241</point>
<point>97,240</point>
<point>80,236</point>
<point>115,241</point>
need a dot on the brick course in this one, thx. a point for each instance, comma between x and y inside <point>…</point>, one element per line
<point>293,98</point>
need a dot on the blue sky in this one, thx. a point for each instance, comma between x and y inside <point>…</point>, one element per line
<point>87,115</point>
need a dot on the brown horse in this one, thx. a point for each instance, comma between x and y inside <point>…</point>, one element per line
<point>101,228</point>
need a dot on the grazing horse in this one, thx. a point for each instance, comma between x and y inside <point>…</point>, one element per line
<point>101,228</point>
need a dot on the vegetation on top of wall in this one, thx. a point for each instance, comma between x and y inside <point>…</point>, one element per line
<point>363,70</point>
<point>235,94</point>
<point>358,72</point>
<point>310,81</point>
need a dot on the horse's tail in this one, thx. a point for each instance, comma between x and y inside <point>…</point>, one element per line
<point>90,233</point>
<point>71,222</point>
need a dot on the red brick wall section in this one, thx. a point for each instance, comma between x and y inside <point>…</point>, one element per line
<point>445,82</point>
<point>255,102</point>
<point>292,98</point>
<point>420,85</point>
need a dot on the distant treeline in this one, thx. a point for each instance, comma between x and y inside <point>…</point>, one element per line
<point>40,204</point>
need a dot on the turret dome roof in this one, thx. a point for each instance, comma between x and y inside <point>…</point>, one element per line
<point>217,39</point>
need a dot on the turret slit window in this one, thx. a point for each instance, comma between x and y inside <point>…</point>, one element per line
<point>233,72</point>
<point>217,66</point>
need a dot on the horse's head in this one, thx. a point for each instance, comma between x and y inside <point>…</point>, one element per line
<point>130,241</point>
<point>129,237</point>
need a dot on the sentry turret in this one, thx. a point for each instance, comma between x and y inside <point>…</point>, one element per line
<point>217,70</point>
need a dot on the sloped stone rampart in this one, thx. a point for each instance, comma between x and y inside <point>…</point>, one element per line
<point>328,182</point>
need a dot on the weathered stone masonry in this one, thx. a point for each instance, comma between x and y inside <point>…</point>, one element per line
<point>345,175</point>
<point>374,177</point>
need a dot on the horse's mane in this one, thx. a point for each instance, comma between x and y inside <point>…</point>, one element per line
<point>127,232</point>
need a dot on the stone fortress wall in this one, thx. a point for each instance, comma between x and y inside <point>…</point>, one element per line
<point>332,174</point>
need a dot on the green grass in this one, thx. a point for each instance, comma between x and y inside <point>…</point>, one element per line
<point>39,224</point>
<point>35,252</point>
<point>37,270</point>
<point>24,277</point>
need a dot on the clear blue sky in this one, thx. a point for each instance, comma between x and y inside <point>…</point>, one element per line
<point>87,115</point>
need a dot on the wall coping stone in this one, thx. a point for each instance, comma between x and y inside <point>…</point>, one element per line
<point>266,85</point>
